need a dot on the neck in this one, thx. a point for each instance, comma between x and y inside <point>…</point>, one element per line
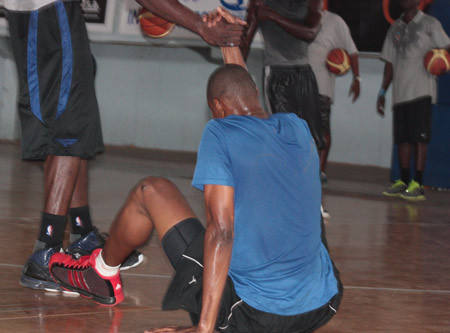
<point>409,14</point>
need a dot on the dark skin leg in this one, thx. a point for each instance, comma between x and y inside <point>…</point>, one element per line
<point>404,154</point>
<point>80,193</point>
<point>60,177</point>
<point>323,153</point>
<point>154,203</point>
<point>421,156</point>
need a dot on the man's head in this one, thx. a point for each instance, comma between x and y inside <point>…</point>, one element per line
<point>409,4</point>
<point>231,90</point>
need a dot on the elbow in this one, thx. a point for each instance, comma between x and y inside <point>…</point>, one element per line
<point>221,236</point>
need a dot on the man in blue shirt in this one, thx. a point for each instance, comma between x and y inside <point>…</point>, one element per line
<point>262,264</point>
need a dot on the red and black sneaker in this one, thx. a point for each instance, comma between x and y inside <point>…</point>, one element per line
<point>81,276</point>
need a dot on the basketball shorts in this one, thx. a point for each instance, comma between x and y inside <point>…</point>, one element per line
<point>412,121</point>
<point>58,107</point>
<point>325,112</point>
<point>294,89</point>
<point>185,292</point>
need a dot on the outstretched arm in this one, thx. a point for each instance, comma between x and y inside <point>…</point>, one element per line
<point>252,26</point>
<point>221,34</point>
<point>306,31</point>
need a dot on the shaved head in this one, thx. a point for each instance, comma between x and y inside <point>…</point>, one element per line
<point>232,83</point>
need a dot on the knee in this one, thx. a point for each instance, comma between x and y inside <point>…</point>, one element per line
<point>152,185</point>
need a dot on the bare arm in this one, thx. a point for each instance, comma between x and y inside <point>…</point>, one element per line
<point>306,31</point>
<point>387,79</point>
<point>219,202</point>
<point>221,34</point>
<point>355,87</point>
<point>250,31</point>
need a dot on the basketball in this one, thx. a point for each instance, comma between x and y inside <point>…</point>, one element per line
<point>437,61</point>
<point>338,61</point>
<point>154,26</point>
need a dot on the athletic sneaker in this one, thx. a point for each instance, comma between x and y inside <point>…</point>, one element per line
<point>94,240</point>
<point>414,192</point>
<point>80,275</point>
<point>35,273</point>
<point>396,189</point>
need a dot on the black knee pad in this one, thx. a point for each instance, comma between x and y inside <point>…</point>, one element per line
<point>177,239</point>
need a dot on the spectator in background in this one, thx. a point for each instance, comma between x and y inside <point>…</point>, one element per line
<point>334,33</point>
<point>288,26</point>
<point>414,92</point>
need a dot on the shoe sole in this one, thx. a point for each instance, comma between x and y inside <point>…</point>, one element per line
<point>52,287</point>
<point>391,195</point>
<point>39,284</point>
<point>419,198</point>
<point>137,263</point>
<point>105,301</point>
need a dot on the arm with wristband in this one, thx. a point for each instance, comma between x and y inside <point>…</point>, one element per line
<point>387,79</point>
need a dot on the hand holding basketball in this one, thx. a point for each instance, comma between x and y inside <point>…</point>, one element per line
<point>437,61</point>
<point>338,61</point>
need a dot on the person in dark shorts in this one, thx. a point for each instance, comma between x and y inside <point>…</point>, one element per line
<point>60,124</point>
<point>262,263</point>
<point>60,118</point>
<point>414,91</point>
<point>288,26</point>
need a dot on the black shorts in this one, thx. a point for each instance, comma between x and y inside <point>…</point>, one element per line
<point>325,112</point>
<point>58,108</point>
<point>185,292</point>
<point>294,89</point>
<point>412,121</point>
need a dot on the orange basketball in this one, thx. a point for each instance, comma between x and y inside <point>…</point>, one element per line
<point>437,61</point>
<point>338,61</point>
<point>154,26</point>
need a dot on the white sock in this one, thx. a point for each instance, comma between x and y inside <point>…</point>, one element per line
<point>103,268</point>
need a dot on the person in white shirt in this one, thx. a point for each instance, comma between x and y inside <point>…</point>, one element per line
<point>334,33</point>
<point>414,92</point>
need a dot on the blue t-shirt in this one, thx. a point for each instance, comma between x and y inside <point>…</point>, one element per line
<point>279,264</point>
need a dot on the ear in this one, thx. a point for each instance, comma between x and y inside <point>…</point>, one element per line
<point>257,92</point>
<point>218,111</point>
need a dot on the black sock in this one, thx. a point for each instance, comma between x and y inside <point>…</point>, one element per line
<point>405,175</point>
<point>52,229</point>
<point>80,220</point>
<point>419,177</point>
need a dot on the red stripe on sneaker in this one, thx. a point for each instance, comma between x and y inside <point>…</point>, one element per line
<point>83,281</point>
<point>70,276</point>
<point>76,279</point>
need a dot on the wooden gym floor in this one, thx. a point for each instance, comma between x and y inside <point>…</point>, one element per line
<point>393,255</point>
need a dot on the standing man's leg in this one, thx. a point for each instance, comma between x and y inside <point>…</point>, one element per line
<point>401,139</point>
<point>325,111</point>
<point>60,177</point>
<point>419,123</point>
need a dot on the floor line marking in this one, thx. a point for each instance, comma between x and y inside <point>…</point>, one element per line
<point>161,276</point>
<point>399,289</point>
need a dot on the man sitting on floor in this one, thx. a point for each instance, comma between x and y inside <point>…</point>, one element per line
<point>262,264</point>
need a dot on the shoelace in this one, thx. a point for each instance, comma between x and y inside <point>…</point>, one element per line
<point>81,263</point>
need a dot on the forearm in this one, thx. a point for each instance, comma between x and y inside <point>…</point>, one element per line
<point>248,37</point>
<point>298,30</point>
<point>355,64</point>
<point>217,255</point>
<point>387,76</point>
<point>174,11</point>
